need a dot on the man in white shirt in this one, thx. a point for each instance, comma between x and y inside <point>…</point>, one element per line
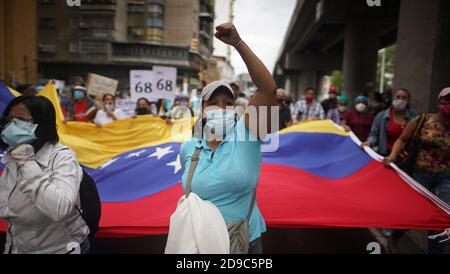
<point>308,109</point>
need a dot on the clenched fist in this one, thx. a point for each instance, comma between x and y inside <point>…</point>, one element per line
<point>228,34</point>
<point>23,154</point>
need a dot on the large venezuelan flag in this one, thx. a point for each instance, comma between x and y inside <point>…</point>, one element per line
<point>318,178</point>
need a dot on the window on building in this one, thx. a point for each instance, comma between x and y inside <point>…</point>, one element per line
<point>47,23</point>
<point>136,8</point>
<point>155,10</point>
<point>136,31</point>
<point>74,47</point>
<point>155,22</point>
<point>74,23</point>
<point>47,47</point>
<point>154,35</point>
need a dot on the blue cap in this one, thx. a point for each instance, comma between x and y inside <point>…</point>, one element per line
<point>362,98</point>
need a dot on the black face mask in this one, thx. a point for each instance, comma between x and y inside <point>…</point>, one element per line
<point>142,111</point>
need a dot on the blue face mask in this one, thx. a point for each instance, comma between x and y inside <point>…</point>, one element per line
<point>109,107</point>
<point>221,121</point>
<point>78,94</point>
<point>19,132</point>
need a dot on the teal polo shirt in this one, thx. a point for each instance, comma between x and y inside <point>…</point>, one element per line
<point>228,177</point>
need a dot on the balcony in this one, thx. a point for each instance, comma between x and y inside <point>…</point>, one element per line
<point>159,2</point>
<point>205,50</point>
<point>95,47</point>
<point>98,6</point>
<point>46,47</point>
<point>150,53</point>
<point>206,16</point>
<point>97,33</point>
<point>206,11</point>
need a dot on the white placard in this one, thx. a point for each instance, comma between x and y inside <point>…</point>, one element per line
<point>127,106</point>
<point>153,85</point>
<point>141,85</point>
<point>165,80</point>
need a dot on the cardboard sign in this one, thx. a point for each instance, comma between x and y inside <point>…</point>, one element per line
<point>98,85</point>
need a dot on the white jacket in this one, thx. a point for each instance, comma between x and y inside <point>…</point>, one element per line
<point>197,227</point>
<point>38,202</point>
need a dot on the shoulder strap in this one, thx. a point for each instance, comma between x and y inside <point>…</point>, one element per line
<point>252,205</point>
<point>194,162</point>
<point>419,126</point>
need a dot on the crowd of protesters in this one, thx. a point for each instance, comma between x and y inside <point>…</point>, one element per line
<point>386,123</point>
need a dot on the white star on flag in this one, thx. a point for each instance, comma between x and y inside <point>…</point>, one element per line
<point>136,154</point>
<point>161,152</point>
<point>176,164</point>
<point>109,163</point>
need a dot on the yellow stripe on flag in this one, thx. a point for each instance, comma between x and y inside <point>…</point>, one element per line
<point>14,92</point>
<point>324,126</point>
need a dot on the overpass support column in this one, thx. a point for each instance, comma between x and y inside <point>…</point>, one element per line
<point>360,59</point>
<point>306,79</point>
<point>423,51</point>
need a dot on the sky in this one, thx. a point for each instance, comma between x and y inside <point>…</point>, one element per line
<point>262,24</point>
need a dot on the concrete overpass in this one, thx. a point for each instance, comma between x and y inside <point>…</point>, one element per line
<point>328,35</point>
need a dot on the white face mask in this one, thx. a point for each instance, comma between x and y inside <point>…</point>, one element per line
<point>360,107</point>
<point>342,108</point>
<point>399,104</point>
<point>221,121</point>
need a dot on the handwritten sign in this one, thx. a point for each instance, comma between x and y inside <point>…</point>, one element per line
<point>98,85</point>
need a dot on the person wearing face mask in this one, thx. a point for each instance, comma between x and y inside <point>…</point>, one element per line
<point>336,114</point>
<point>432,168</point>
<point>226,149</point>
<point>145,107</point>
<point>331,102</point>
<point>285,118</point>
<point>308,109</point>
<point>39,188</point>
<point>82,108</point>
<point>181,108</point>
<point>389,124</point>
<point>109,113</point>
<point>359,119</point>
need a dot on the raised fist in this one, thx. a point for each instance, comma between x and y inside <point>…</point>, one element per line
<point>228,34</point>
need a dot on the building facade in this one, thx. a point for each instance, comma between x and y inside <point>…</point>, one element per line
<point>18,34</point>
<point>112,37</point>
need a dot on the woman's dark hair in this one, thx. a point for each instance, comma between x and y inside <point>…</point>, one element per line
<point>145,99</point>
<point>44,116</point>
<point>404,90</point>
<point>106,95</point>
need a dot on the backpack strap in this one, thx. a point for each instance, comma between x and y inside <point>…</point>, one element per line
<point>194,162</point>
